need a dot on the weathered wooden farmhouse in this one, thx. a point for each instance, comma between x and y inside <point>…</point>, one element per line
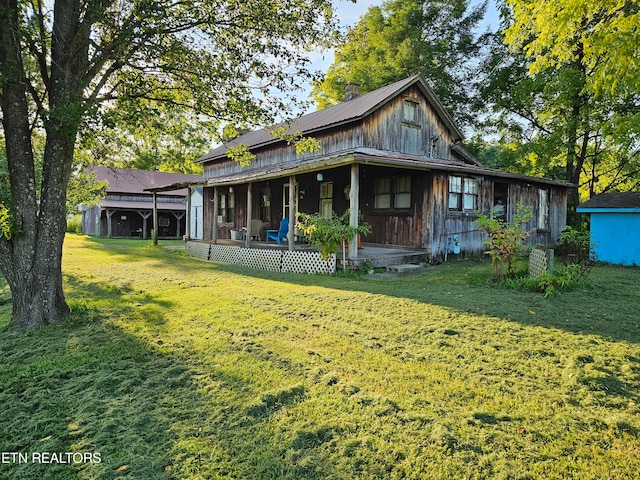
<point>127,208</point>
<point>392,154</point>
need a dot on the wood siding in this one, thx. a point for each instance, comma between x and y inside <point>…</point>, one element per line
<point>446,223</point>
<point>387,129</point>
<point>384,129</point>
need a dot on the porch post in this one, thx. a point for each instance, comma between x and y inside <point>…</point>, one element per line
<point>293,207</point>
<point>144,215</point>
<point>247,241</point>
<point>109,215</point>
<point>354,207</point>
<point>155,218</point>
<point>187,222</point>
<point>214,223</point>
<point>179,216</point>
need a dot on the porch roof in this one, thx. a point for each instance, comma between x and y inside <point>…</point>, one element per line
<point>370,156</point>
<point>133,205</point>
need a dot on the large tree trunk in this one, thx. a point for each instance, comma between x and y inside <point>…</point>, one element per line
<point>31,259</point>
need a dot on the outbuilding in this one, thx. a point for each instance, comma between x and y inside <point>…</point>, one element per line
<point>127,208</point>
<point>615,226</point>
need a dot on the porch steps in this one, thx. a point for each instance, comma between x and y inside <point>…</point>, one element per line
<point>404,268</point>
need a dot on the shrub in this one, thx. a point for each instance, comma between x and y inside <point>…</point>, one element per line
<point>577,252</point>
<point>548,284</point>
<point>505,240</point>
<point>74,225</point>
<point>328,234</point>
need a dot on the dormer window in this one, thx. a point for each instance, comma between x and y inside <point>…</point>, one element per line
<point>410,112</point>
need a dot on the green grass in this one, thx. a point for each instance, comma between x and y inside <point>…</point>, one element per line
<point>172,367</point>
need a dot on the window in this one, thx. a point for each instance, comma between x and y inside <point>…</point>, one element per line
<point>382,193</point>
<point>543,210</point>
<point>410,112</point>
<point>392,193</point>
<point>226,204</point>
<point>285,199</point>
<point>463,193</point>
<point>402,192</point>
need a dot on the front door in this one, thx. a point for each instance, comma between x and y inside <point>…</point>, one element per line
<point>326,199</point>
<point>285,199</point>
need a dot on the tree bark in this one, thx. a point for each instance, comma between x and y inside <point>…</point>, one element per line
<point>32,257</point>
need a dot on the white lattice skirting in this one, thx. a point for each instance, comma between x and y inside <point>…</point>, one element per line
<point>263,259</point>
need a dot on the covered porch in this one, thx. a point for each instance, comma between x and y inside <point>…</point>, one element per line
<point>305,258</point>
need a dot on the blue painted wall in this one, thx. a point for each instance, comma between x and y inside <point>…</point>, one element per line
<point>617,236</point>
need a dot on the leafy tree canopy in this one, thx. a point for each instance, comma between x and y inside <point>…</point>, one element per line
<point>603,35</point>
<point>547,101</point>
<point>437,38</point>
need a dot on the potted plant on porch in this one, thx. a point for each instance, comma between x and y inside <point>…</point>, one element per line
<point>328,234</point>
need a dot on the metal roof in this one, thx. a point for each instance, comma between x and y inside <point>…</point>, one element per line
<point>613,200</point>
<point>345,112</point>
<point>132,205</point>
<point>124,180</point>
<point>373,156</point>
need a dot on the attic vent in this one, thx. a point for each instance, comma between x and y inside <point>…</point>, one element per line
<point>352,90</point>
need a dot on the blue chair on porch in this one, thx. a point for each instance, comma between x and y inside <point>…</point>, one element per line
<point>281,233</point>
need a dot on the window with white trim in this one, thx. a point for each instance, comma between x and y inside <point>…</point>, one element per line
<point>226,207</point>
<point>463,194</point>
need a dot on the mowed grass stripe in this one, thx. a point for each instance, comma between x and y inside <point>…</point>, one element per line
<point>177,368</point>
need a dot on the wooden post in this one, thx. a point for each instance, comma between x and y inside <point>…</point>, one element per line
<point>187,222</point>
<point>293,207</point>
<point>354,208</point>
<point>214,227</point>
<point>144,215</point>
<point>179,216</point>
<point>247,241</point>
<point>155,219</point>
<point>109,215</point>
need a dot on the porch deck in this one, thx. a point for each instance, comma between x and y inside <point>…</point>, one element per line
<point>377,256</point>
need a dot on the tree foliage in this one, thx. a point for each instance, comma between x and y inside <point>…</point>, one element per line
<point>436,38</point>
<point>68,67</point>
<point>84,189</point>
<point>148,136</point>
<point>602,36</point>
<point>547,99</point>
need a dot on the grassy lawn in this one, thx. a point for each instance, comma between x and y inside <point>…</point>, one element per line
<point>177,368</point>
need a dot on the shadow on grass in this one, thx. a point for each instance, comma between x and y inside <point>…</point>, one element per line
<point>134,406</point>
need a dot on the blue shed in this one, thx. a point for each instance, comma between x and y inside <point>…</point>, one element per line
<point>615,226</point>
